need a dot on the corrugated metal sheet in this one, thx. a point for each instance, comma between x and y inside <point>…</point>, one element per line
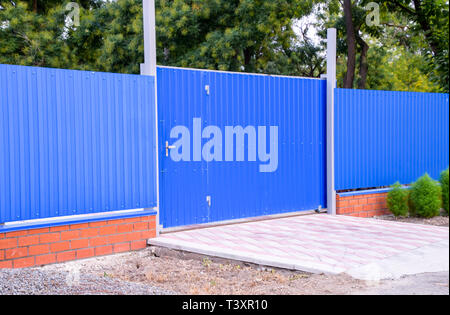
<point>74,142</point>
<point>238,189</point>
<point>382,137</point>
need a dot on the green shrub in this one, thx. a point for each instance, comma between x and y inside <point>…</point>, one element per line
<point>397,200</point>
<point>444,187</point>
<point>425,197</point>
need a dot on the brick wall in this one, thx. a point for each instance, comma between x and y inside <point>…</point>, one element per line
<point>75,241</point>
<point>363,205</point>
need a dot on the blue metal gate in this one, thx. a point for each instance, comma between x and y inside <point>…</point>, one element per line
<point>201,189</point>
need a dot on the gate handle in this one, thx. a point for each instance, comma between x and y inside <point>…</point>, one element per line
<point>169,147</point>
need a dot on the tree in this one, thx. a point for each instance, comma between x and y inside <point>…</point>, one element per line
<point>228,35</point>
<point>44,6</point>
<point>431,18</point>
<point>27,38</point>
<point>306,60</point>
<point>356,28</point>
<point>237,35</point>
<point>349,18</point>
<point>122,49</point>
<point>388,56</point>
<point>351,44</point>
<point>250,35</point>
<point>395,68</point>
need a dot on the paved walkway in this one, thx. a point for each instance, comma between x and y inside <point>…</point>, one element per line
<point>364,248</point>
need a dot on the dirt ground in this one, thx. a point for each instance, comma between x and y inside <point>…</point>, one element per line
<point>202,275</point>
<point>442,220</point>
<point>183,273</point>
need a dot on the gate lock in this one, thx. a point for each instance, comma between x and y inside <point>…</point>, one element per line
<point>169,147</point>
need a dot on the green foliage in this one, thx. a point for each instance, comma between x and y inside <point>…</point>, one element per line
<point>303,59</point>
<point>397,69</point>
<point>44,6</point>
<point>400,55</point>
<point>445,189</point>
<point>429,20</point>
<point>397,200</point>
<point>27,38</point>
<point>123,46</point>
<point>425,197</point>
<point>234,35</point>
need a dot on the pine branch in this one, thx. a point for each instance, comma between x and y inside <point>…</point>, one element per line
<point>402,7</point>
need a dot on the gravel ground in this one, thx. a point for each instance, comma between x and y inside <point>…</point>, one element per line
<point>435,283</point>
<point>38,281</point>
<point>152,271</point>
<point>442,220</point>
<point>142,272</point>
<point>155,271</point>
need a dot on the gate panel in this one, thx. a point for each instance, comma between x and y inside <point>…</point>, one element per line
<point>182,184</point>
<point>226,190</point>
<point>296,106</point>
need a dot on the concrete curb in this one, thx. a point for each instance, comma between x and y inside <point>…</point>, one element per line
<point>264,260</point>
<point>430,258</point>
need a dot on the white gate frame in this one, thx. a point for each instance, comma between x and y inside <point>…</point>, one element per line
<point>149,68</point>
<point>331,85</point>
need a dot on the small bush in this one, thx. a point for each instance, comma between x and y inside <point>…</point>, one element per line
<point>397,200</point>
<point>444,187</point>
<point>425,197</point>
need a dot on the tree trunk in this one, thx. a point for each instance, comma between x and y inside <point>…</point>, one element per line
<point>247,59</point>
<point>351,45</point>
<point>35,6</point>
<point>363,65</point>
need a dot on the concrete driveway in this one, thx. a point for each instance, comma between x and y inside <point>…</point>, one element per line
<point>367,249</point>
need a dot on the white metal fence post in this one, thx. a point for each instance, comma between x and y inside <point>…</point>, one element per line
<point>149,65</point>
<point>149,68</point>
<point>331,84</point>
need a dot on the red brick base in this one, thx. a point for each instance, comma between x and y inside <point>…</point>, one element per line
<point>363,205</point>
<point>75,241</point>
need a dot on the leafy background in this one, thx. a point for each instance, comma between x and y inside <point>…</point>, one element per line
<point>407,51</point>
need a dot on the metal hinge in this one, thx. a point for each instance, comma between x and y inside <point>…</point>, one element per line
<point>208,200</point>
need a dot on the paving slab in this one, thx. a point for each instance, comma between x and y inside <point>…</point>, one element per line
<point>364,248</point>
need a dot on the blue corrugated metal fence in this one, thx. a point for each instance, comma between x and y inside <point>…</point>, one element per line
<point>383,136</point>
<point>74,142</point>
<point>78,142</point>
